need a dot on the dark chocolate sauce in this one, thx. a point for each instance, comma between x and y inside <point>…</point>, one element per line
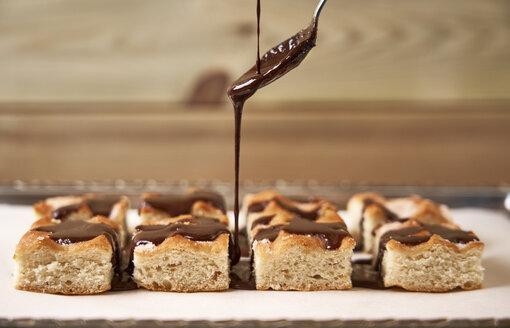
<point>241,276</point>
<point>453,235</point>
<point>123,280</point>
<point>258,207</point>
<point>175,205</point>
<point>274,64</point>
<point>102,206</point>
<point>69,232</point>
<point>365,276</point>
<point>258,36</point>
<point>270,233</point>
<point>98,206</point>
<point>63,212</point>
<point>331,233</point>
<point>244,245</point>
<point>311,215</point>
<point>237,283</point>
<point>263,220</point>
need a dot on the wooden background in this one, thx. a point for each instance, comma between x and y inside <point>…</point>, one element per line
<point>396,92</point>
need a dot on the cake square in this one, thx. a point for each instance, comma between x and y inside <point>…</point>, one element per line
<point>70,257</point>
<point>368,211</point>
<point>299,246</point>
<point>428,257</point>
<point>182,254</point>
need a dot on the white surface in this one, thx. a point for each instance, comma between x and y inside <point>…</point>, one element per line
<point>490,302</point>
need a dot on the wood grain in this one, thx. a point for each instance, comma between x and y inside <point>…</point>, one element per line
<point>398,143</point>
<point>158,50</point>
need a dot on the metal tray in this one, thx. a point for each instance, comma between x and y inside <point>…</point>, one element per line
<point>490,197</point>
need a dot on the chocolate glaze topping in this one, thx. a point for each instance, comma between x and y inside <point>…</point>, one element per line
<point>199,229</point>
<point>98,206</point>
<point>63,212</point>
<point>175,205</point>
<point>331,233</point>
<point>102,206</point>
<point>69,232</point>
<point>311,215</point>
<point>263,220</point>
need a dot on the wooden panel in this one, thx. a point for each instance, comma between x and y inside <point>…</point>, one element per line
<point>380,142</point>
<point>119,50</point>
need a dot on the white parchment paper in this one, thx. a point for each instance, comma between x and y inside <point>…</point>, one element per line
<point>493,301</point>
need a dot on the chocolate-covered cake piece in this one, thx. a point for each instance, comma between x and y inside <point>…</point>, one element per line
<point>69,257</point>
<point>182,254</point>
<point>298,245</point>
<point>428,257</point>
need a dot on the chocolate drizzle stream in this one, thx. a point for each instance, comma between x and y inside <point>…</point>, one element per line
<point>258,36</point>
<point>175,205</point>
<point>274,64</point>
<point>331,233</point>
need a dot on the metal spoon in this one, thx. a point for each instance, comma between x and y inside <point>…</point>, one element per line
<point>318,12</point>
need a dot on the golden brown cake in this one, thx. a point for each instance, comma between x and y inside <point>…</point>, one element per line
<point>182,254</point>
<point>428,257</point>
<point>69,257</point>
<point>298,245</point>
